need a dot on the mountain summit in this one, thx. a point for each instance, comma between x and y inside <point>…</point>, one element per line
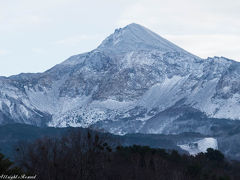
<point>136,37</point>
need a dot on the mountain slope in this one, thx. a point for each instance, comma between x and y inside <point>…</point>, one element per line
<point>135,81</point>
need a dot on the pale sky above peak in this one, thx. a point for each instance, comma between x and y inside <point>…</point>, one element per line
<point>36,35</point>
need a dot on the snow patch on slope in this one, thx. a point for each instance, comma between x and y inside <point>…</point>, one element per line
<point>163,94</point>
<point>113,104</point>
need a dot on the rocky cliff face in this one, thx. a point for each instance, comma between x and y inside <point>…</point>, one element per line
<point>135,81</point>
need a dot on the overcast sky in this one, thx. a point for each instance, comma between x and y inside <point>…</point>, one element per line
<point>37,34</point>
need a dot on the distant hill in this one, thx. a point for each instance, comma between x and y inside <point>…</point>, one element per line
<point>12,134</point>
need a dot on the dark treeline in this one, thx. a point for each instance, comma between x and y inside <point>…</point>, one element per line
<point>90,156</point>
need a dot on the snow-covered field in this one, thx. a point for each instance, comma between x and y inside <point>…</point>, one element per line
<point>200,146</point>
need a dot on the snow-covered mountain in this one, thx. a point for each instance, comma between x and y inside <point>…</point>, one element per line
<point>135,81</point>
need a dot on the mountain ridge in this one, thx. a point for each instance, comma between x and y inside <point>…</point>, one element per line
<point>122,85</point>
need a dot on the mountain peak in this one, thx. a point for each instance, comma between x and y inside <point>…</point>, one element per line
<point>136,37</point>
<point>135,26</point>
